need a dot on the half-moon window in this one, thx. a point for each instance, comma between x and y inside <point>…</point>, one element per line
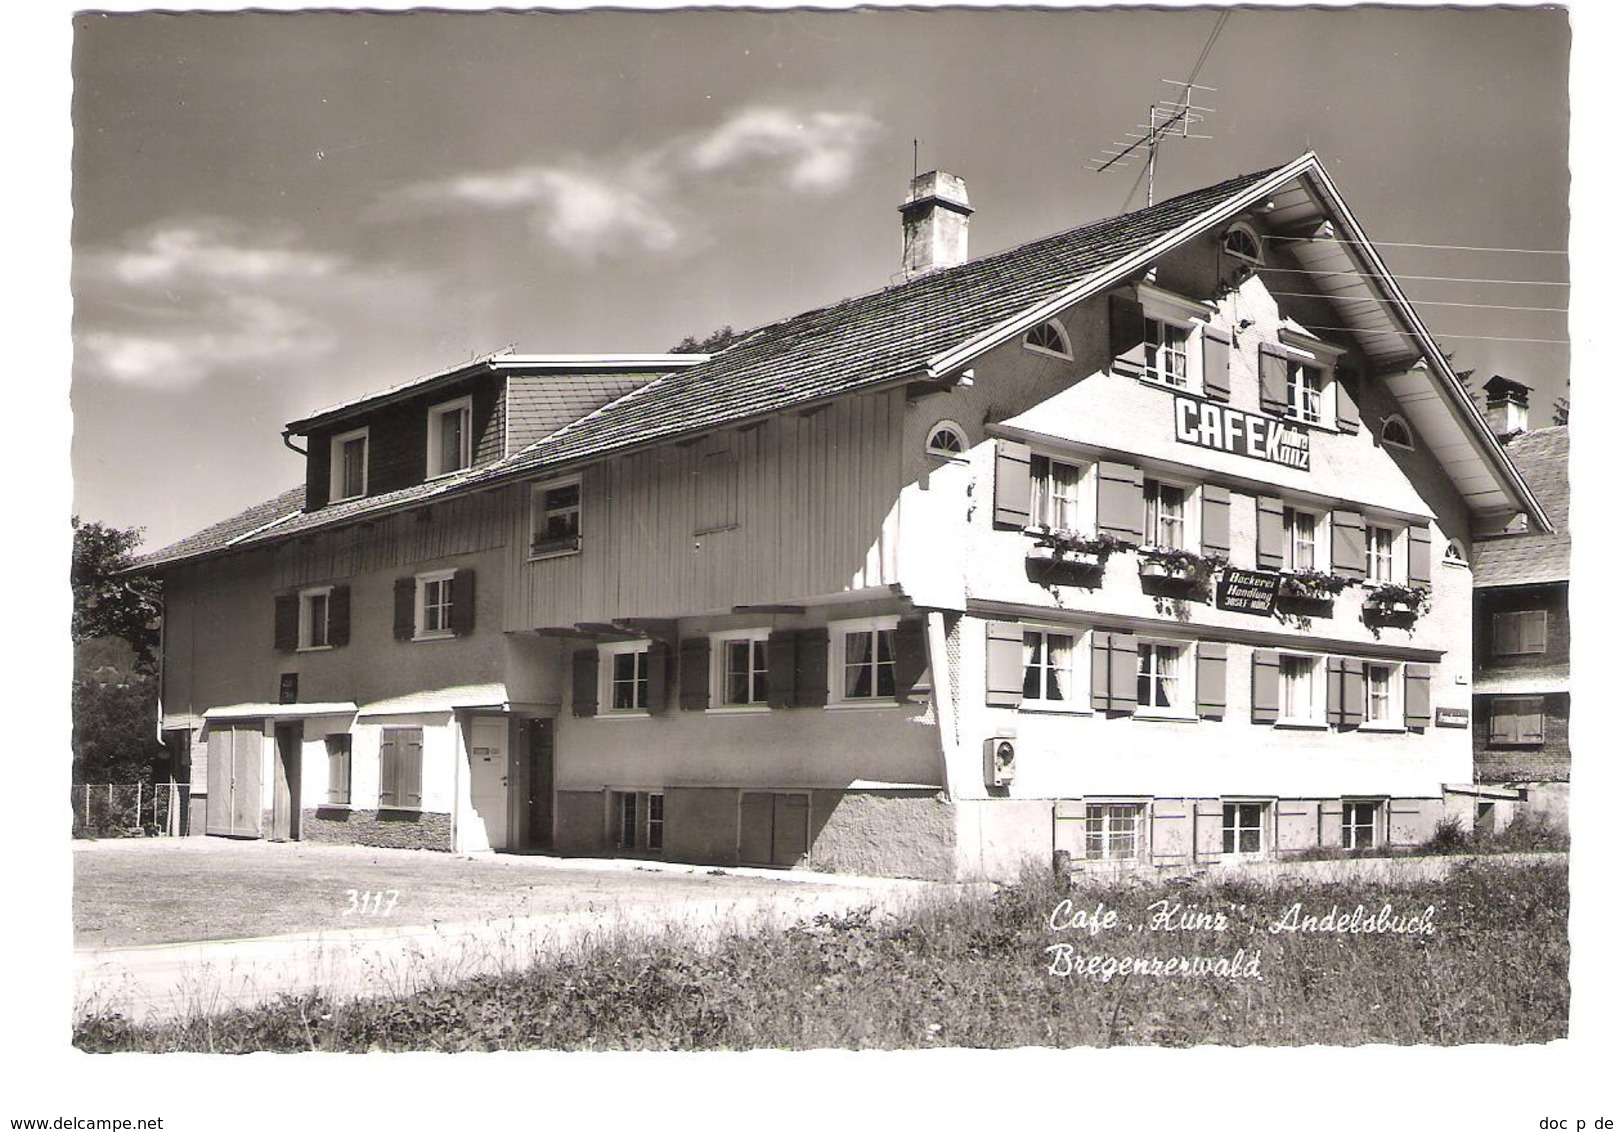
<point>947,439</point>
<point>1396,433</point>
<point>1048,338</point>
<point>1455,553</point>
<point>1242,243</point>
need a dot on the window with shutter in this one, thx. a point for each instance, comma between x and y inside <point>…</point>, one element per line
<point>1052,669</point>
<point>1012,485</point>
<point>1215,520</point>
<point>1265,686</point>
<point>863,661</point>
<point>623,678</point>
<point>738,668</point>
<point>1518,632</point>
<point>1382,691</point>
<point>1164,683</point>
<point>1348,545</point>
<point>1211,679</point>
<point>400,768</point>
<point>1057,494</point>
<point>1417,695</point>
<point>1516,721</point>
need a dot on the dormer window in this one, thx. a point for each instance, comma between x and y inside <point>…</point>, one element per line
<point>450,437</point>
<point>349,466</point>
<point>1243,243</point>
<point>1048,338</point>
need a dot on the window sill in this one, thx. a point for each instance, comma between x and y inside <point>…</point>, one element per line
<point>1300,725</point>
<point>624,713</point>
<point>446,636</point>
<point>1188,387</point>
<point>386,808</point>
<point>740,709</point>
<point>345,806</point>
<point>314,648</point>
<point>861,705</point>
<point>1165,717</point>
<point>1382,728</point>
<point>1502,745</point>
<point>1038,707</point>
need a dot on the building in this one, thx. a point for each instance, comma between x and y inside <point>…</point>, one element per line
<point>1148,541</point>
<point>1520,694</point>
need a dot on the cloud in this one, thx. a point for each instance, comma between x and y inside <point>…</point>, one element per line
<point>187,299</point>
<point>814,152</point>
<point>653,201</point>
<point>586,212</point>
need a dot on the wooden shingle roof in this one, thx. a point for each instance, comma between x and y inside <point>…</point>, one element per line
<point>1536,558</point>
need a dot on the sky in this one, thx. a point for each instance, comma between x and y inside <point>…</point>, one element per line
<point>273,212</point>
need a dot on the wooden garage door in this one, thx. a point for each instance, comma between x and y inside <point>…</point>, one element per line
<point>235,756</point>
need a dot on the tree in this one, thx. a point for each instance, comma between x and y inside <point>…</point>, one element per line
<point>1559,414</point>
<point>714,342</point>
<point>108,603</point>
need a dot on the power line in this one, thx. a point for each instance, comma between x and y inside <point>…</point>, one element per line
<point>1436,334</point>
<point>1424,278</point>
<point>1401,244</point>
<point>1423,302</point>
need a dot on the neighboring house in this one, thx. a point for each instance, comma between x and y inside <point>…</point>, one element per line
<point>843,594</point>
<point>1520,687</point>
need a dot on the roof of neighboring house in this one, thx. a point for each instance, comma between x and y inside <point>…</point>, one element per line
<point>1531,559</point>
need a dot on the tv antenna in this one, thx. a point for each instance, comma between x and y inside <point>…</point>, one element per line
<point>1169,118</point>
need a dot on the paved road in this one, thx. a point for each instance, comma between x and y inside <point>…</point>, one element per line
<point>166,981</point>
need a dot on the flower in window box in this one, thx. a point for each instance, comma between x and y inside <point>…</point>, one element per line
<point>1392,603</point>
<point>1071,549</point>
<point>1169,570</point>
<point>1311,585</point>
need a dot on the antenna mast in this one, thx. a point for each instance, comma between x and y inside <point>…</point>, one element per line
<point>1169,118</point>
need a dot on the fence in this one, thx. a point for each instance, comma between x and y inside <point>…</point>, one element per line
<point>127,809</point>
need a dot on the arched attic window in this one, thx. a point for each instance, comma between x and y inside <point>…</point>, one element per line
<point>1243,243</point>
<point>1455,553</point>
<point>1396,434</point>
<point>946,438</point>
<point>1048,338</point>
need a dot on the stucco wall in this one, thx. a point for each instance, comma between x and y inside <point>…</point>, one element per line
<point>884,833</point>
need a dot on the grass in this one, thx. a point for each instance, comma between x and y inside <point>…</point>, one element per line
<point>176,890</point>
<point>967,971</point>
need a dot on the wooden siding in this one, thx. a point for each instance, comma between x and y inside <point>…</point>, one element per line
<point>461,525</point>
<point>811,502</point>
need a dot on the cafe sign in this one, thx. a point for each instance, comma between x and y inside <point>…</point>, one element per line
<point>1247,591</point>
<point>1208,424</point>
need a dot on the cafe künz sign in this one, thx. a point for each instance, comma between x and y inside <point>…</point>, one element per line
<point>1215,426</point>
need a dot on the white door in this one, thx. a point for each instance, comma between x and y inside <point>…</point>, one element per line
<point>488,778</point>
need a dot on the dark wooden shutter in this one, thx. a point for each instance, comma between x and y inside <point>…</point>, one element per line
<point>811,667</point>
<point>1271,376</point>
<point>1420,555</point>
<point>1215,520</point>
<point>911,651</point>
<point>1271,533</point>
<point>405,608</point>
<point>1215,363</point>
<point>1265,686</point>
<point>1012,485</point>
<point>1127,336</point>
<point>287,622</point>
<point>1211,677</point>
<point>1344,691</point>
<point>781,668</point>
<point>584,673</point>
<point>659,674</point>
<point>693,674</point>
<point>411,767</point>
<point>338,617</point>
<point>1006,663</point>
<point>1417,695</point>
<point>388,768</point>
<point>1115,676</point>
<point>1348,544</point>
<point>1121,499</point>
<point>1347,407</point>
<point>462,602</point>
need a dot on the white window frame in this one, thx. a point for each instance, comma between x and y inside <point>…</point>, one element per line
<point>838,632</point>
<point>1230,833</point>
<point>1254,257</point>
<point>961,438</point>
<point>1043,509</point>
<point>1397,553</point>
<point>1183,676</point>
<point>1313,682</point>
<point>1514,620</point>
<point>465,406</point>
<point>1322,539</point>
<point>1076,698</point>
<point>1455,554</point>
<point>1189,319</point>
<point>1408,443</point>
<point>1395,697</point>
<point>307,619</point>
<point>1377,823</point>
<point>421,606</point>
<point>335,464</point>
<point>1064,353</point>
<point>720,639</point>
<point>1303,353</point>
<point>539,512</point>
<point>607,655</point>
<point>1100,837</point>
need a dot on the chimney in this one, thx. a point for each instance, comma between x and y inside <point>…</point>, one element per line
<point>935,223</point>
<point>1507,402</point>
